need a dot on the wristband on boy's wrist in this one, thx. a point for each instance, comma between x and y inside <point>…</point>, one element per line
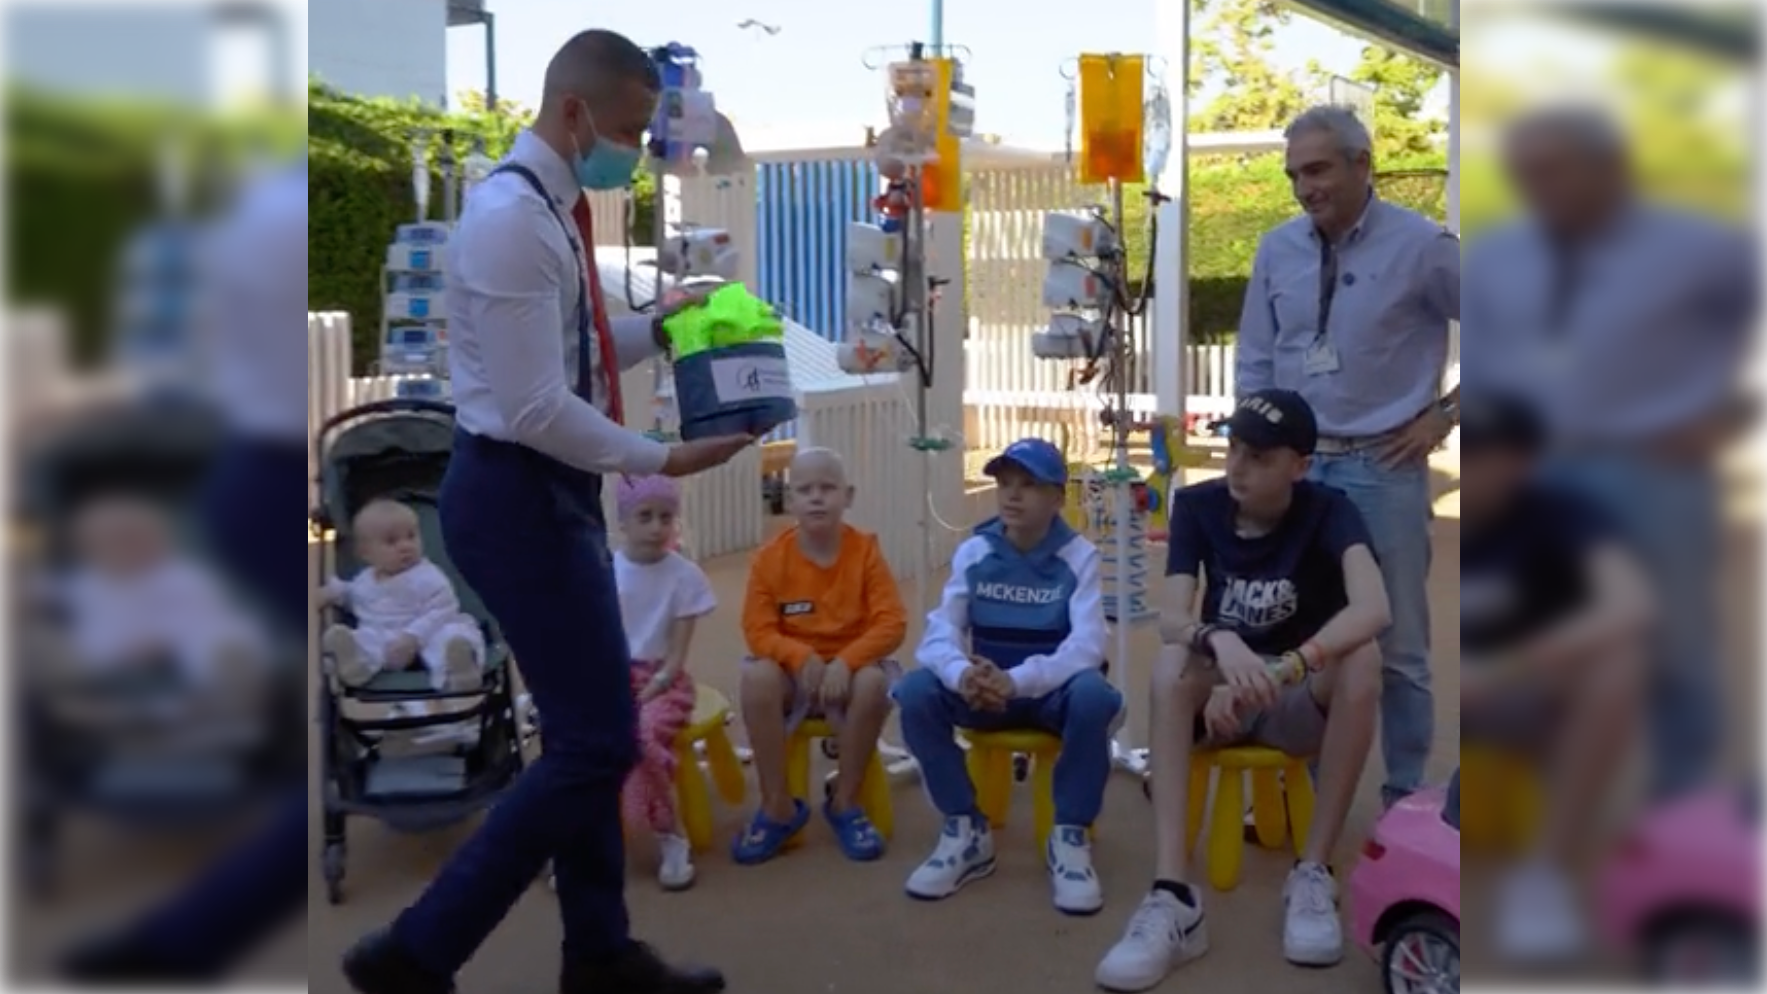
<point>1312,656</point>
<point>1202,641</point>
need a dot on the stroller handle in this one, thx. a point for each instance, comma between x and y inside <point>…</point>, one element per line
<point>409,405</point>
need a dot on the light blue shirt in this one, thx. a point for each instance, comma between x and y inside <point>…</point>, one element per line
<point>1398,288</point>
<point>1654,336</point>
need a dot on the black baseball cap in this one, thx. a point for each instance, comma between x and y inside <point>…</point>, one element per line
<point>1275,419</point>
<point>1500,422</point>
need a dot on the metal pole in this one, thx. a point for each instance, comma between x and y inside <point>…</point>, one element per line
<point>490,22</point>
<point>937,36</point>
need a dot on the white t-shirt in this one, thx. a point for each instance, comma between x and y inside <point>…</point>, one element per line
<point>654,595</point>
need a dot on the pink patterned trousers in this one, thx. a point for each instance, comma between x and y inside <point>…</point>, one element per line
<point>649,795</point>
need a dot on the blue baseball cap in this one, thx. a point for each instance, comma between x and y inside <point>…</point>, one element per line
<point>1035,456</point>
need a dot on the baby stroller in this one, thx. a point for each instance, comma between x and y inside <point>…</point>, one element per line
<point>145,764</point>
<point>399,450</point>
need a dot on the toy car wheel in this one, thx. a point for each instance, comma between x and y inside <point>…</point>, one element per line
<point>831,749</point>
<point>1422,955</point>
<point>1021,767</point>
<point>1701,949</point>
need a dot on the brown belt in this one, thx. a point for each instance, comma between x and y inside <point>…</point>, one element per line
<point>1341,445</point>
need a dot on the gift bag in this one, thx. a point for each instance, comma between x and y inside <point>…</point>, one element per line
<point>731,373</point>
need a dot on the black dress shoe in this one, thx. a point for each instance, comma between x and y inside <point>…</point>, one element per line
<point>124,960</point>
<point>638,970</point>
<point>376,965</point>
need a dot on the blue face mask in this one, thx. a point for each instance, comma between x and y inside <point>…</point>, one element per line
<point>608,166</point>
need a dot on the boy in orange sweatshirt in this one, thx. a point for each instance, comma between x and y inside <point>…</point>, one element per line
<point>821,618</point>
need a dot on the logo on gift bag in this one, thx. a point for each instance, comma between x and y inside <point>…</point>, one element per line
<point>750,378</point>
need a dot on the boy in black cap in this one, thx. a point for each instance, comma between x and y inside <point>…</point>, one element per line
<point>1282,654</point>
<point>1554,617</point>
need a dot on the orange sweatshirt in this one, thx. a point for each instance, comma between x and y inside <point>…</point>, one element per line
<point>795,609</point>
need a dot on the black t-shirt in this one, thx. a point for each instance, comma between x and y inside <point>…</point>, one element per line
<point>1527,570</point>
<point>1277,590</point>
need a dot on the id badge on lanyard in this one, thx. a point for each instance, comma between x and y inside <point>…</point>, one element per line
<point>1321,358</point>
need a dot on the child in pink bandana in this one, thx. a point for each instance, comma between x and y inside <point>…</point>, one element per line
<point>662,595</point>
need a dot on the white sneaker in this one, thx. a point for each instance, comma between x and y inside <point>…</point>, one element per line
<point>1164,933</point>
<point>1312,934</point>
<point>965,852</point>
<point>460,666</point>
<point>1077,890</point>
<point>353,667</point>
<point>676,872</point>
<point>1539,921</point>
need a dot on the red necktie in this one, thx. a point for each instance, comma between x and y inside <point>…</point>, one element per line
<point>604,336</point>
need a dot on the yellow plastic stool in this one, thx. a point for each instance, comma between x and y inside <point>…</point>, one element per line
<point>711,713</point>
<point>1502,800</point>
<point>990,769</point>
<point>874,793</point>
<point>1281,787</point>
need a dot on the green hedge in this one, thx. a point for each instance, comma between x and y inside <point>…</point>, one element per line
<point>359,192</point>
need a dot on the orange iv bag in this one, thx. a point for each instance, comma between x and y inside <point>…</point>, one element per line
<point>1111,118</point>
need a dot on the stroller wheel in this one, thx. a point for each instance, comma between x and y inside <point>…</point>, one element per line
<point>333,865</point>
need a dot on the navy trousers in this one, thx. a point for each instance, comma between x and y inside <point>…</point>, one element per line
<point>260,886</point>
<point>528,535</point>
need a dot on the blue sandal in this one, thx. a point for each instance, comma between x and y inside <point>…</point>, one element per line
<point>764,838</point>
<point>857,836</point>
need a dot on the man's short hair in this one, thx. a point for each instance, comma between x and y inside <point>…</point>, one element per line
<point>1588,128</point>
<point>1340,122</point>
<point>594,61</point>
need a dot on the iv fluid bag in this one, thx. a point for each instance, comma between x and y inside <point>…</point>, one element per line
<point>1112,118</point>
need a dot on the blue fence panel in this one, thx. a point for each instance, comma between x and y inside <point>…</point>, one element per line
<point>804,209</point>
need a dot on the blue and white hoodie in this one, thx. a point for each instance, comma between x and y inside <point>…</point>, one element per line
<point>1038,615</point>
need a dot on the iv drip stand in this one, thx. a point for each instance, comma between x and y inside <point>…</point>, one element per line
<point>1122,477</point>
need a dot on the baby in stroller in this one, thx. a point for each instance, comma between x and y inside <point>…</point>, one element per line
<point>407,614</point>
<point>133,604</point>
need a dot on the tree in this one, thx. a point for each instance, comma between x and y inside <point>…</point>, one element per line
<point>1401,84</point>
<point>1232,45</point>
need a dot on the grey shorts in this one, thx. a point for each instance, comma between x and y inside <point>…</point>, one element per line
<point>1294,725</point>
<point>1523,722</point>
<point>799,708</point>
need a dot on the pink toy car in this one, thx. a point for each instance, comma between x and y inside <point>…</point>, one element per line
<point>1405,895</point>
<point>1684,890</point>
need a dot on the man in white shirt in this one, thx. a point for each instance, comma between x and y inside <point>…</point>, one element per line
<point>535,365</point>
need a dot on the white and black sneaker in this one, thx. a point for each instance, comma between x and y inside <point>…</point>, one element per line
<point>1166,931</point>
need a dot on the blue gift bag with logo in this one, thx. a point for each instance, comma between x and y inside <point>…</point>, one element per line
<point>736,390</point>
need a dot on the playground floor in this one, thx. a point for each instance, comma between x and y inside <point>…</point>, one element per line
<point>811,923</point>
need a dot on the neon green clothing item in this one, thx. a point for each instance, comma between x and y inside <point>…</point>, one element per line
<point>731,316</point>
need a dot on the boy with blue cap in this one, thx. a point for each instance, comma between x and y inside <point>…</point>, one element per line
<point>1017,641</point>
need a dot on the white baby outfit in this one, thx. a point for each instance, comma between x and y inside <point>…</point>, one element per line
<point>176,607</point>
<point>420,602</point>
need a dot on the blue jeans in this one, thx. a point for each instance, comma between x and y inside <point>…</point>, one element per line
<point>1082,712</point>
<point>1670,516</point>
<point>1395,505</point>
<point>538,559</point>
